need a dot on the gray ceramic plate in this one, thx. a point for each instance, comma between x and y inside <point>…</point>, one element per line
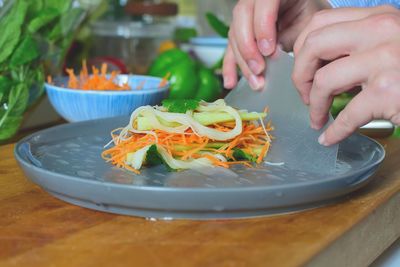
<point>65,161</point>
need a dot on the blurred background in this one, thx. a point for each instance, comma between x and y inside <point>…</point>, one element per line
<point>184,39</point>
<point>129,35</point>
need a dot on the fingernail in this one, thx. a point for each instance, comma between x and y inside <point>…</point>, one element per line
<point>322,140</point>
<point>254,82</point>
<point>254,66</point>
<point>265,47</point>
<point>226,82</point>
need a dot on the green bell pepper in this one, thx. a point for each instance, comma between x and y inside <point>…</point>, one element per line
<point>209,88</point>
<point>187,77</point>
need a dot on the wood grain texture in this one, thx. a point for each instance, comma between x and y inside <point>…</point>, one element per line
<point>39,230</point>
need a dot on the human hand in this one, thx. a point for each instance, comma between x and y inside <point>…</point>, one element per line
<point>255,30</point>
<point>344,48</point>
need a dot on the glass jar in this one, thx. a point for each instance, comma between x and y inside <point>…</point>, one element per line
<point>134,43</point>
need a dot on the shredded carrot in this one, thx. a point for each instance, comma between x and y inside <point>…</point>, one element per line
<point>140,85</point>
<point>189,146</point>
<point>164,80</point>
<point>49,80</point>
<point>99,80</point>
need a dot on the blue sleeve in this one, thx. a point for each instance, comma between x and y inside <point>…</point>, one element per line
<point>364,3</point>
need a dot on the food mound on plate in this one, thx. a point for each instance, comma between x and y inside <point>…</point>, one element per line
<point>189,134</point>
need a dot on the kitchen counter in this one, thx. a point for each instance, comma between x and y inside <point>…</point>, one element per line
<point>37,229</point>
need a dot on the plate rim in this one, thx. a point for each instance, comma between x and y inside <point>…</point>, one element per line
<point>26,163</point>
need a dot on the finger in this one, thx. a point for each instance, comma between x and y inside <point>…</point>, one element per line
<point>332,42</point>
<point>229,69</point>
<point>337,77</point>
<point>357,113</point>
<point>244,36</point>
<point>265,17</point>
<point>255,82</point>
<point>332,16</point>
<point>287,37</point>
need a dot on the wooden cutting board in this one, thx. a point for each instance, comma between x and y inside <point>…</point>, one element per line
<point>38,230</point>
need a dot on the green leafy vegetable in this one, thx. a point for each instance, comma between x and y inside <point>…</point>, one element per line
<point>153,158</point>
<point>5,86</point>
<point>24,44</point>
<point>18,99</point>
<point>60,5</point>
<point>218,25</point>
<point>11,29</point>
<point>8,40</point>
<point>26,52</point>
<point>35,7</point>
<point>180,105</point>
<point>10,118</point>
<point>44,17</point>
<point>239,154</point>
<point>9,126</point>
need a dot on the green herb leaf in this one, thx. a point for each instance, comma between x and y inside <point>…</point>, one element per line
<point>17,13</point>
<point>11,29</point>
<point>35,7</point>
<point>60,5</point>
<point>9,126</point>
<point>239,154</point>
<point>18,99</point>
<point>153,158</point>
<point>26,52</point>
<point>180,105</point>
<point>5,87</point>
<point>8,40</point>
<point>43,18</point>
<point>217,25</point>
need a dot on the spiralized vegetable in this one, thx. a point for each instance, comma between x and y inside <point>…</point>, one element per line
<point>185,121</point>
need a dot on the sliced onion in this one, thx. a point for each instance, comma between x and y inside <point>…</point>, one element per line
<point>202,130</point>
<point>177,164</point>
<point>136,159</point>
<point>185,121</point>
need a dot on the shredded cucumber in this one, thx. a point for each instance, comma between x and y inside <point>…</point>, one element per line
<point>204,118</point>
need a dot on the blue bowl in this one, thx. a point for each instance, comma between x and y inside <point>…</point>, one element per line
<point>80,105</point>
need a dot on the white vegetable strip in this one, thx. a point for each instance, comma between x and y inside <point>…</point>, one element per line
<point>186,121</point>
<point>180,164</point>
<point>136,159</point>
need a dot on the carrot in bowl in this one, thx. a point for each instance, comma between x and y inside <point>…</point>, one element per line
<point>99,80</point>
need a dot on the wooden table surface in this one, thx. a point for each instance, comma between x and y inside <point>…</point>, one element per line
<point>38,230</point>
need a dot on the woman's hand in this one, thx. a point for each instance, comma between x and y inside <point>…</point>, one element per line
<point>344,48</point>
<point>256,28</point>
